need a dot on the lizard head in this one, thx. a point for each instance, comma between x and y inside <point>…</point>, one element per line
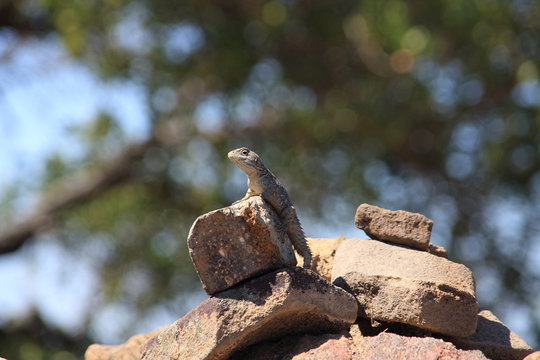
<point>245,159</point>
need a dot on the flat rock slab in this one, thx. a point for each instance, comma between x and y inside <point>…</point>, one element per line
<point>392,346</point>
<point>399,227</point>
<point>396,284</point>
<point>291,300</point>
<point>236,243</point>
<point>494,339</point>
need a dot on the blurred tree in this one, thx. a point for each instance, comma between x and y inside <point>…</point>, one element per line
<point>425,106</point>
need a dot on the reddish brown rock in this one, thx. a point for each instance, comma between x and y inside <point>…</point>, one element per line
<point>236,243</point>
<point>392,346</point>
<point>399,227</point>
<point>127,351</point>
<point>322,252</point>
<point>330,347</point>
<point>494,339</point>
<point>292,300</point>
<point>396,284</point>
<point>534,356</point>
<point>304,347</point>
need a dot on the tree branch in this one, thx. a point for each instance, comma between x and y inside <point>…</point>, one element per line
<point>89,183</point>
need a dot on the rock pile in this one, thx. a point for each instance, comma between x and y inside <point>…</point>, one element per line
<point>392,296</point>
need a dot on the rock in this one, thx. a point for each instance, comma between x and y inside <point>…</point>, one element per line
<point>356,345</point>
<point>291,300</point>
<point>494,339</point>
<point>392,346</point>
<point>534,356</point>
<point>322,252</point>
<point>437,250</point>
<point>305,347</point>
<point>399,227</point>
<point>236,243</point>
<point>396,284</point>
<point>127,351</point>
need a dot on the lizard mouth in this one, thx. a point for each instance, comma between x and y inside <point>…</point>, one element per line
<point>233,157</point>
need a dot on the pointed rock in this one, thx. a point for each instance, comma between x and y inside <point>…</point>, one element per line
<point>396,284</point>
<point>291,300</point>
<point>238,242</point>
<point>399,227</point>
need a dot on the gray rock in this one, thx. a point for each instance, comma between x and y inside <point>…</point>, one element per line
<point>292,300</point>
<point>236,243</point>
<point>494,339</point>
<point>399,227</point>
<point>397,284</point>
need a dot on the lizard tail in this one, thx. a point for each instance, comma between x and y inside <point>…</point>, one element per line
<point>298,240</point>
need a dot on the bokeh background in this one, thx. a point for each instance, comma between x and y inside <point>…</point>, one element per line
<point>116,117</point>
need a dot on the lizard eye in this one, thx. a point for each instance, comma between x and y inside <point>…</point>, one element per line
<point>245,152</point>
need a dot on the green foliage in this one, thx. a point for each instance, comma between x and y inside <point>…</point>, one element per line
<point>37,342</point>
<point>55,169</point>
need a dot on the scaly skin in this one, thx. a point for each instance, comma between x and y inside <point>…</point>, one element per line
<point>263,183</point>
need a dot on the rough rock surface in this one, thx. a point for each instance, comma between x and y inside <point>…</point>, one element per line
<point>396,284</point>
<point>437,250</point>
<point>305,347</point>
<point>399,227</point>
<point>494,339</point>
<point>238,242</point>
<point>322,252</point>
<point>356,346</point>
<point>127,351</point>
<point>534,356</point>
<point>291,300</point>
<point>351,345</point>
<point>392,346</point>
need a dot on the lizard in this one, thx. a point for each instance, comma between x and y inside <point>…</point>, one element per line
<point>263,183</point>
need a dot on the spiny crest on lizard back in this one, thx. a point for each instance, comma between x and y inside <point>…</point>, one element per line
<point>245,159</point>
